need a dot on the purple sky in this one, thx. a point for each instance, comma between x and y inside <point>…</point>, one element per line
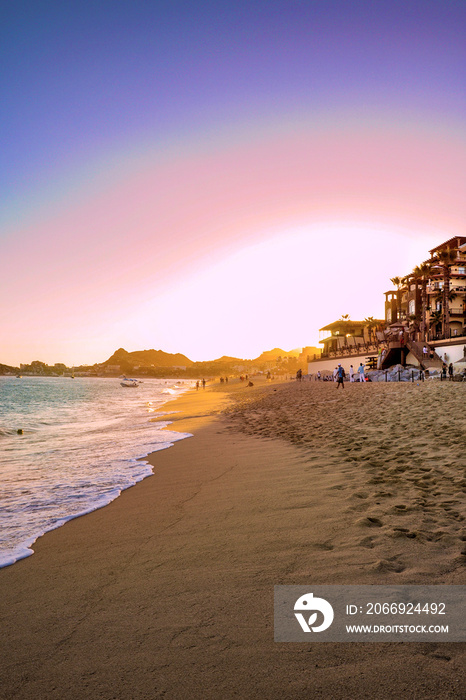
<point>78,79</point>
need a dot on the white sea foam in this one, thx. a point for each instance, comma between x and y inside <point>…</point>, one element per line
<point>82,443</point>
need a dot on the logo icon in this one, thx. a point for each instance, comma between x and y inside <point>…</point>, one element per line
<point>307,603</point>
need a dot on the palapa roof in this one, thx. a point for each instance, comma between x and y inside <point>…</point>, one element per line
<point>345,325</point>
<point>454,242</point>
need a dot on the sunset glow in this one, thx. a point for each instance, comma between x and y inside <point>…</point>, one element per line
<point>202,213</point>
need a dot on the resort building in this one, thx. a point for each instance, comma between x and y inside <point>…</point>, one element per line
<point>427,310</point>
<point>346,337</point>
<point>354,342</point>
<point>447,290</point>
<point>430,302</point>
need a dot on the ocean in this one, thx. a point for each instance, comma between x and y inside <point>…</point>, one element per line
<point>81,445</point>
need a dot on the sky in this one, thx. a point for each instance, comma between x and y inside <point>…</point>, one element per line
<point>220,177</point>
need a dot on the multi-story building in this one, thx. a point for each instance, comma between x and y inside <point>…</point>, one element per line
<point>418,303</point>
<point>429,304</point>
<point>346,337</point>
<point>456,281</point>
<point>427,308</point>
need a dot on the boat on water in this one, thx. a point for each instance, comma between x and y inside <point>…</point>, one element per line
<point>129,382</point>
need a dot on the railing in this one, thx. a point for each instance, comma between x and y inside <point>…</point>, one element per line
<point>349,351</point>
<point>417,350</point>
<point>432,335</point>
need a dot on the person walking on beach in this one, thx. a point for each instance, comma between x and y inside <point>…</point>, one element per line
<point>340,376</point>
<point>299,375</point>
<point>203,383</point>
<point>450,371</point>
<point>424,352</point>
<point>351,374</point>
<point>335,372</point>
<point>444,371</point>
<point>197,385</point>
<point>361,373</point>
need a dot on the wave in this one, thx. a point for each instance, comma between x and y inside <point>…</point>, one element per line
<point>80,452</point>
<point>8,432</point>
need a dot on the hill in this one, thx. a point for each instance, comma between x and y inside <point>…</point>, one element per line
<point>7,369</point>
<point>148,358</point>
<point>226,359</point>
<point>270,355</point>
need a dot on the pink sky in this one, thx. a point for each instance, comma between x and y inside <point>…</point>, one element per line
<point>86,272</point>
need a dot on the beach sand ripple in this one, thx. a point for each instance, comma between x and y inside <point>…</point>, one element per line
<point>397,453</point>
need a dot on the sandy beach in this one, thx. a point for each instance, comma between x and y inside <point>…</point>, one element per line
<point>168,591</point>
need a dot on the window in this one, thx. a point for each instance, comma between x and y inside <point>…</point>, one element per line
<point>412,307</point>
<point>389,315</point>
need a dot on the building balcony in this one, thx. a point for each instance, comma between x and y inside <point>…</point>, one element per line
<point>353,351</point>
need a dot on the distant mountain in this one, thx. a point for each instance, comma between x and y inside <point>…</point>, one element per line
<point>158,358</point>
<point>158,363</point>
<point>148,358</point>
<point>270,355</point>
<point>7,369</point>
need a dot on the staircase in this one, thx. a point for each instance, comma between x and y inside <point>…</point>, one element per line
<point>426,363</point>
<point>395,355</point>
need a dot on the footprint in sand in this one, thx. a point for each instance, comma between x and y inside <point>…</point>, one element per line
<point>400,509</point>
<point>369,522</point>
<point>384,566</point>
<point>403,532</point>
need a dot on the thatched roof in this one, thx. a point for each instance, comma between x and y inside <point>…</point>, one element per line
<point>349,326</point>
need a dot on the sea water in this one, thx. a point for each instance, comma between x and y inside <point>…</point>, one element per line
<point>83,441</point>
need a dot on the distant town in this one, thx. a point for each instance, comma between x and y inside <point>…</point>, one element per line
<point>157,363</point>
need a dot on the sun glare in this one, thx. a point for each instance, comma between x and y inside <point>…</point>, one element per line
<point>282,290</point>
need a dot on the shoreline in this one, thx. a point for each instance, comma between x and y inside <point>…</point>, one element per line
<point>25,549</point>
<point>168,590</point>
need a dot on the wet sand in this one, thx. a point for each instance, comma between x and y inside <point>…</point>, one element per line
<point>168,591</point>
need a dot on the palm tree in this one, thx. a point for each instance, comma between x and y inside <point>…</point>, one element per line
<point>415,320</point>
<point>422,272</point>
<point>451,296</point>
<point>398,282</point>
<point>344,317</point>
<point>371,323</point>
<point>436,318</point>
<point>445,259</point>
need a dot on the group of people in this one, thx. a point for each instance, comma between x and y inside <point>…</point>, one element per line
<point>449,369</point>
<point>339,375</point>
<point>198,384</point>
<point>428,351</point>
